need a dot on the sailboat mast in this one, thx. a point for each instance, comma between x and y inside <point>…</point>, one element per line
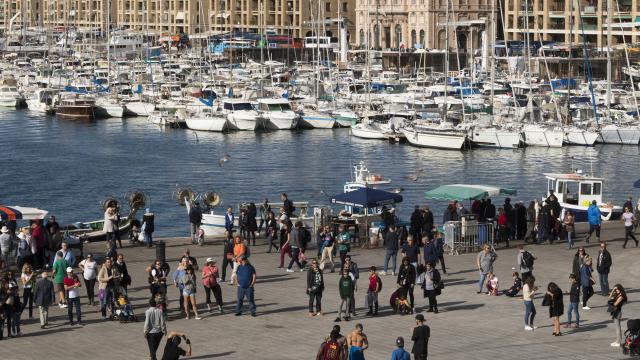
<point>571,25</point>
<point>609,55</point>
<point>446,59</point>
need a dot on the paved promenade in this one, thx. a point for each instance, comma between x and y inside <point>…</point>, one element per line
<point>469,326</point>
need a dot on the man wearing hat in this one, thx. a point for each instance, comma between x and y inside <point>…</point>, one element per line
<point>5,243</point>
<point>60,266</point>
<point>420,338</point>
<point>400,353</point>
<point>246,278</point>
<point>72,285</point>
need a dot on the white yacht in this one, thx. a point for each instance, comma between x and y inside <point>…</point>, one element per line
<point>441,135</point>
<point>278,114</point>
<point>538,135</point>
<point>139,108</point>
<point>9,96</point>
<point>43,101</point>
<point>106,107</point>
<point>241,115</point>
<point>497,137</point>
<point>577,136</point>
<point>620,134</point>
<point>317,120</point>
<point>205,118</point>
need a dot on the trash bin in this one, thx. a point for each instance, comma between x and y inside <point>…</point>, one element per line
<point>160,251</point>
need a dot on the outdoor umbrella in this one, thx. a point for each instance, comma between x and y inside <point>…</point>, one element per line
<point>466,192</point>
<point>21,213</point>
<point>636,184</point>
<point>367,198</point>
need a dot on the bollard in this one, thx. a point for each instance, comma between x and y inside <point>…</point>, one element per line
<point>160,252</point>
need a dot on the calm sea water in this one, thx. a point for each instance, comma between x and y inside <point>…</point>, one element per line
<point>68,167</point>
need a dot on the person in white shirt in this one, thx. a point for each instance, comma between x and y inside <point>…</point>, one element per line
<point>89,269</point>
<point>71,286</point>
<point>628,218</point>
<point>528,291</point>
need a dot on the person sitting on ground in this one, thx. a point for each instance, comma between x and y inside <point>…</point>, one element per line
<point>516,287</point>
<point>172,349</point>
<point>492,284</point>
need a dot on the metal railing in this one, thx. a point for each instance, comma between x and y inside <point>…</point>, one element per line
<point>468,237</point>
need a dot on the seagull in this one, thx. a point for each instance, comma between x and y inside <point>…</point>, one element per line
<point>196,134</point>
<point>414,177</point>
<point>224,159</point>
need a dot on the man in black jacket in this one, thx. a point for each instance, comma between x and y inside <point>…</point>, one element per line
<point>417,221</point>
<point>287,205</point>
<point>420,337</point>
<point>195,219</point>
<point>427,223</point>
<point>603,267</point>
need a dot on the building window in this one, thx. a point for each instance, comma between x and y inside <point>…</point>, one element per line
<point>361,37</point>
<point>413,38</point>
<point>398,35</point>
<point>327,7</point>
<point>422,39</point>
<point>345,7</point>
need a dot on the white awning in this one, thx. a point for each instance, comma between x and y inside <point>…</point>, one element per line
<point>180,15</point>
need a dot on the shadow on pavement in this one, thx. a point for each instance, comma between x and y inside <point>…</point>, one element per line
<point>211,356</point>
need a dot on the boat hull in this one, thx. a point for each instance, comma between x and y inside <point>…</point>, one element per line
<point>318,122</point>
<point>76,112</point>
<point>280,122</point>
<point>625,136</point>
<point>580,212</point>
<point>138,108</point>
<point>436,140</point>
<point>581,137</point>
<point>105,111</point>
<point>365,132</point>
<point>545,138</point>
<point>497,139</point>
<point>241,122</point>
<point>217,124</point>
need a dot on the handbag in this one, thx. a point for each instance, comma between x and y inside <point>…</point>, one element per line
<point>546,301</point>
<point>302,257</point>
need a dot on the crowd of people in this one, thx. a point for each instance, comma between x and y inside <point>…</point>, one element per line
<point>51,275</point>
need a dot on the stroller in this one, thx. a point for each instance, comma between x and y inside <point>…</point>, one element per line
<point>123,309</point>
<point>631,344</point>
<point>399,302</point>
<point>134,232</point>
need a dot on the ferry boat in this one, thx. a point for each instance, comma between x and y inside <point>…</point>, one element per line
<point>575,192</point>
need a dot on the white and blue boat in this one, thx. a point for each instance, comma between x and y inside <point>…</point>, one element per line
<point>575,192</point>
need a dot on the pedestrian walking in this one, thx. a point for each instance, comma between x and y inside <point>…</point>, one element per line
<point>155,327</point>
<point>578,259</point>
<point>427,223</point>
<point>629,219</point>
<point>345,289</point>
<point>553,299</point>
<point>411,251</point>
<point>177,275</point>
<point>285,248</point>
<point>121,266</point>
<point>603,266</point>
<point>375,286</point>
<point>265,210</point>
<point>107,277</point>
<point>574,302</point>
<point>60,266</point>
<point>528,294</point>
<point>239,250</point>
<point>210,282</point>
<point>251,223</point>
<point>72,287</point>
<point>432,286</point>
<point>246,275</point>
<point>420,338</point>
<point>417,223</point>
<point>524,261</point>
<point>195,220</point>
<point>406,282</point>
<point>569,228</point>
<point>392,244</point>
<point>327,242</point>
<point>532,214</point>
<point>400,353</point>
<point>43,297</point>
<point>271,230</point>
<point>343,239</point>
<point>148,227</point>
<point>28,279</point>
<point>586,281</point>
<point>616,300</point>
<point>315,287</point>
<point>227,259</point>
<point>485,260</point>
<point>89,268</point>
<point>594,216</point>
<point>358,343</point>
<point>295,242</point>
<point>439,238</point>
<point>354,274</point>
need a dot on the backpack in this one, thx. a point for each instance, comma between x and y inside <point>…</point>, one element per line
<point>331,350</point>
<point>379,282</point>
<point>527,260</point>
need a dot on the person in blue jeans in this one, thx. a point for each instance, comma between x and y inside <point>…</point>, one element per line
<point>485,261</point>
<point>246,277</point>
<point>574,302</point>
<point>594,216</point>
<point>392,243</point>
<point>528,291</point>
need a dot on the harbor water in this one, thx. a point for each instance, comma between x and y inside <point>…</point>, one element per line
<point>68,167</point>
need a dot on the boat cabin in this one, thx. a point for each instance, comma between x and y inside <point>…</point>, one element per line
<point>575,188</point>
